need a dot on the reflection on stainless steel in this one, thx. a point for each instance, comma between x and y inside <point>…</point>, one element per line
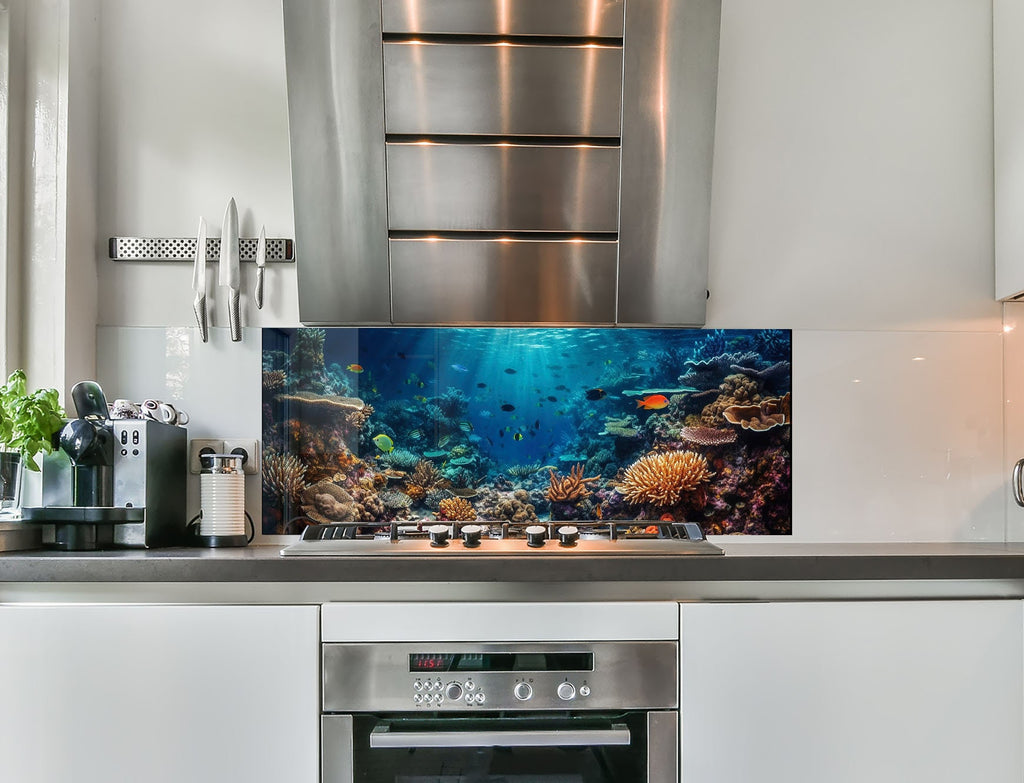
<point>437,88</point>
<point>662,744</point>
<point>668,129</point>
<point>545,120</point>
<point>502,187</point>
<point>336,120</point>
<point>336,741</point>
<point>593,18</point>
<point>616,734</point>
<point>626,675</point>
<point>509,281</point>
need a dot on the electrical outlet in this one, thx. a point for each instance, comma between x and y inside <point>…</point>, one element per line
<point>250,451</point>
<point>198,446</point>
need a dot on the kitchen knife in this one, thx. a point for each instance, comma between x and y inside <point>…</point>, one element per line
<point>199,281</point>
<point>229,274</point>
<point>261,262</point>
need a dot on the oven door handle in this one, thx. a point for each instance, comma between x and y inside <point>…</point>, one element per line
<point>383,737</point>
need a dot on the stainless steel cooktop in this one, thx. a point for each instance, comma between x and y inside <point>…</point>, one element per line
<point>549,539</point>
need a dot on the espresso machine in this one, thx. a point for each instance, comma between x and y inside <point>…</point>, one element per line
<point>112,483</point>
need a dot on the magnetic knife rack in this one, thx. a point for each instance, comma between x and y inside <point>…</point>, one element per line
<point>279,251</point>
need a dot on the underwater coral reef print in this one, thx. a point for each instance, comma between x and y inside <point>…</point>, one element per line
<point>372,425</point>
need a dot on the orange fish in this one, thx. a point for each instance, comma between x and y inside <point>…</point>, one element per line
<point>653,402</point>
<point>355,368</point>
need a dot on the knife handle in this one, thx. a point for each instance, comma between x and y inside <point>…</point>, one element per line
<point>234,317</point>
<point>258,294</point>
<point>199,306</point>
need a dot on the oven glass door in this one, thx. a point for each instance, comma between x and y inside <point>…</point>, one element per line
<point>590,748</point>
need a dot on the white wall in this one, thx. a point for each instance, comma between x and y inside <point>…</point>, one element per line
<point>852,203</point>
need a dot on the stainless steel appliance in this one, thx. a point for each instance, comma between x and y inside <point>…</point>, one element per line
<point>550,539</point>
<point>509,711</point>
<point>112,482</point>
<point>502,161</point>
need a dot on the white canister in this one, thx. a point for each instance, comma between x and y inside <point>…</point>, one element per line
<point>222,498</point>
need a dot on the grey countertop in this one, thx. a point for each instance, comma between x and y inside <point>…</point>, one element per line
<point>743,562</point>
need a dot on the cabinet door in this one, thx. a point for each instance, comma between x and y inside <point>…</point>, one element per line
<point>162,694</point>
<point>854,692</point>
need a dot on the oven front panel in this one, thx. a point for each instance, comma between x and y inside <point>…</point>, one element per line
<point>473,678</point>
<point>625,747</point>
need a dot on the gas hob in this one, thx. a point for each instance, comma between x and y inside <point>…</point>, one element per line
<point>550,539</point>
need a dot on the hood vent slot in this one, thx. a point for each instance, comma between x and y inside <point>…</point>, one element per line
<point>502,161</point>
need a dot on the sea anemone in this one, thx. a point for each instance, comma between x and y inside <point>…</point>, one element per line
<point>661,478</point>
<point>284,476</point>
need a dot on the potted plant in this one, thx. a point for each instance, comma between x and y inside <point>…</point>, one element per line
<point>28,423</point>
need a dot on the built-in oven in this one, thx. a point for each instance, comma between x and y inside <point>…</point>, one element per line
<point>500,712</point>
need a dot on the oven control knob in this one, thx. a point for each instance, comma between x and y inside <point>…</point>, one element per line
<point>568,535</point>
<point>535,535</point>
<point>566,691</point>
<point>584,690</point>
<point>471,535</point>
<point>438,535</point>
<point>453,692</point>
<point>522,691</point>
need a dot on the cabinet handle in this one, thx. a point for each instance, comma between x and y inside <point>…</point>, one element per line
<point>1018,487</point>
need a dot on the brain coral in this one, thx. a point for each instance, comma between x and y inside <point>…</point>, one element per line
<point>661,478</point>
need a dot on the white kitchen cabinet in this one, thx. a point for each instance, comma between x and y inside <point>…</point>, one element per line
<point>161,694</point>
<point>1008,134</point>
<point>852,692</point>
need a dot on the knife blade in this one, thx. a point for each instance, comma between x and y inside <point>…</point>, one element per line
<point>261,262</point>
<point>199,281</point>
<point>229,272</point>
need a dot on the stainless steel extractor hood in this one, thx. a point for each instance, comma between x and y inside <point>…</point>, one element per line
<point>502,161</point>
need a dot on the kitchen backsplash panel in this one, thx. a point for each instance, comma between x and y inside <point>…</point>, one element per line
<point>519,424</point>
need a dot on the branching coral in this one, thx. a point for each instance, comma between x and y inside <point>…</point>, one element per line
<point>426,474</point>
<point>284,476</point>
<point>456,509</point>
<point>571,488</point>
<point>661,478</point>
<point>273,380</point>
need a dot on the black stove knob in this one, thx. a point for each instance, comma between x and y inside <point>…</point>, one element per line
<point>568,535</point>
<point>535,535</point>
<point>471,535</point>
<point>438,535</point>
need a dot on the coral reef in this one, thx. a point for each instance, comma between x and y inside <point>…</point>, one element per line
<point>325,502</point>
<point>707,436</point>
<point>771,377</point>
<point>571,488</point>
<point>661,478</point>
<point>773,412</point>
<point>516,509</point>
<point>394,499</point>
<point>707,373</point>
<point>274,380</point>
<point>284,476</point>
<point>456,510</point>
<point>426,474</point>
<point>401,459</point>
<point>523,471</point>
<point>433,498</point>
<point>736,389</point>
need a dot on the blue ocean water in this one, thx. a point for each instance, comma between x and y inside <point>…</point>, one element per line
<point>480,402</point>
